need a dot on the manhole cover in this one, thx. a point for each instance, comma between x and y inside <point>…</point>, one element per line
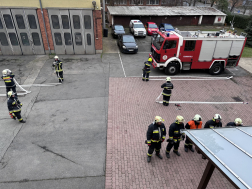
<point>237,99</point>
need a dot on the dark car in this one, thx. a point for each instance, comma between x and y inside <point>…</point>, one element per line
<point>127,44</point>
<point>117,30</point>
<point>166,27</point>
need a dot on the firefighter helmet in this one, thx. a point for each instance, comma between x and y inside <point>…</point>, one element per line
<point>149,59</point>
<point>197,117</point>
<point>238,121</point>
<point>10,93</point>
<point>56,57</point>
<point>5,72</point>
<point>158,119</point>
<point>168,79</point>
<point>180,119</point>
<point>217,117</point>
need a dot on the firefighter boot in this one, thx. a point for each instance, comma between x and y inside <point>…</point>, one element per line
<point>186,149</point>
<point>167,155</point>
<point>143,79</point>
<point>22,121</point>
<point>176,152</point>
<point>159,156</point>
<point>148,159</point>
<point>147,79</point>
<point>192,150</point>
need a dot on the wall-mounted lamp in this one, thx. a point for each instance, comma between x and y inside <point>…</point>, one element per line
<point>94,3</point>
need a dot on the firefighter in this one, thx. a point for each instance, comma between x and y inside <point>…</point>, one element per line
<point>167,91</point>
<point>195,123</point>
<point>146,69</point>
<point>58,68</point>
<point>237,122</point>
<point>215,122</point>
<point>14,106</point>
<point>175,136</point>
<point>155,136</point>
<point>9,82</point>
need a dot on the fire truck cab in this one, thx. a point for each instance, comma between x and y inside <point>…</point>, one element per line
<point>185,50</point>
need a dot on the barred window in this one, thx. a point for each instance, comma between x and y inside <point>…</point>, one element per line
<point>136,2</point>
<point>120,2</point>
<point>152,2</point>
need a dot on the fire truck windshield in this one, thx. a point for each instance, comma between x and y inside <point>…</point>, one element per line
<point>158,41</point>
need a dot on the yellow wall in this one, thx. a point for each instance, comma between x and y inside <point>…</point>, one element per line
<point>50,3</point>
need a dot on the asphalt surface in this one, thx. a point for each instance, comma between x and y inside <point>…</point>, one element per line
<point>63,143</point>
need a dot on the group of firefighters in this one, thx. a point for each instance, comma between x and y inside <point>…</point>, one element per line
<point>13,104</point>
<point>156,133</point>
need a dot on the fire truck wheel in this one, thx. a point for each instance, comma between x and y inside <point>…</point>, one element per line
<point>216,69</point>
<point>171,69</point>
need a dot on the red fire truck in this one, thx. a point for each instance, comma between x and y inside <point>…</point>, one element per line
<point>185,50</point>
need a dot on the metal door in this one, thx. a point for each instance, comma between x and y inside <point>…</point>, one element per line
<point>88,31</point>
<point>61,31</point>
<point>9,42</point>
<point>28,30</point>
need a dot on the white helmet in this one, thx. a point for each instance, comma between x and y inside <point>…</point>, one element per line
<point>56,57</point>
<point>180,119</point>
<point>158,119</point>
<point>238,121</point>
<point>197,117</point>
<point>217,117</point>
<point>10,93</point>
<point>5,72</point>
<point>168,79</point>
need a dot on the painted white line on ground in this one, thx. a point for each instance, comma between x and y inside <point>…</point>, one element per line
<point>121,63</point>
<point>194,102</point>
<point>144,52</point>
<point>191,79</point>
<point>187,76</point>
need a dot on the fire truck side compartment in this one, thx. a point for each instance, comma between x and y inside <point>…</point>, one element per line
<point>207,50</point>
<point>222,49</point>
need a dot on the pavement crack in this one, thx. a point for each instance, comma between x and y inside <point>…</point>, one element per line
<point>60,155</point>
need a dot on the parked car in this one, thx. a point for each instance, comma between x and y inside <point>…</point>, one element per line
<point>166,27</point>
<point>151,28</point>
<point>127,44</point>
<point>117,30</point>
<point>137,28</point>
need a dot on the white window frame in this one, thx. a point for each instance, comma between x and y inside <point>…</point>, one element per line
<point>132,2</point>
<point>149,2</point>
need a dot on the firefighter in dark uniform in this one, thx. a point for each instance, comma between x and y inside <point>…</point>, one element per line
<point>146,69</point>
<point>58,68</point>
<point>213,123</point>
<point>237,122</point>
<point>175,135</point>
<point>14,106</point>
<point>9,82</point>
<point>167,91</point>
<point>195,123</point>
<point>155,136</point>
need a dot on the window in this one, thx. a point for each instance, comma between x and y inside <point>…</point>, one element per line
<point>87,22</point>
<point>107,1</point>
<point>152,2</point>
<point>1,24</point>
<point>13,39</point>
<point>58,39</point>
<point>190,45</point>
<point>76,21</point>
<point>158,41</point>
<point>3,39</point>
<point>25,39</point>
<point>35,38</point>
<point>136,2</point>
<point>88,39</point>
<point>120,2</point>
<point>55,21</point>
<point>170,44</point>
<point>20,21</point>
<point>32,21</point>
<point>68,39</point>
<point>65,21</point>
<point>78,40</point>
<point>8,21</point>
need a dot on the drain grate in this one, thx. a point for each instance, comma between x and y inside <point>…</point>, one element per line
<point>237,99</point>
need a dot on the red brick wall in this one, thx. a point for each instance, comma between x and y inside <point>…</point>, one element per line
<point>97,16</point>
<point>48,29</point>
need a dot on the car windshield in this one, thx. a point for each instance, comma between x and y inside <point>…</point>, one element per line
<point>128,39</point>
<point>168,27</point>
<point>158,41</point>
<point>119,28</point>
<point>152,26</point>
<point>138,26</point>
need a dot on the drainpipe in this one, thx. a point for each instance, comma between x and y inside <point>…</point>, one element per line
<point>103,14</point>
<point>44,26</point>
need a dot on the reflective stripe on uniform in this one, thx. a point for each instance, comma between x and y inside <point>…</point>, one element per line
<point>149,154</point>
<point>166,94</point>
<point>176,132</point>
<point>155,131</point>
<point>155,140</point>
<point>170,137</point>
<point>148,141</point>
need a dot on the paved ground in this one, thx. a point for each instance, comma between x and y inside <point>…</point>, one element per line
<point>63,144</point>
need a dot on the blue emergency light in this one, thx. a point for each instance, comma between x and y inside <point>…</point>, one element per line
<point>167,35</point>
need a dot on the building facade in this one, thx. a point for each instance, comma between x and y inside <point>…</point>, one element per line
<point>29,27</point>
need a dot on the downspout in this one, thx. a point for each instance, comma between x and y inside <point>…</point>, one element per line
<point>44,26</point>
<point>103,14</point>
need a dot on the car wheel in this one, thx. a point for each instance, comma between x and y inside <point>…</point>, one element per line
<point>216,69</point>
<point>172,69</point>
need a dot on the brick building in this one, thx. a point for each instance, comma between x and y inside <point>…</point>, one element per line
<point>60,26</point>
